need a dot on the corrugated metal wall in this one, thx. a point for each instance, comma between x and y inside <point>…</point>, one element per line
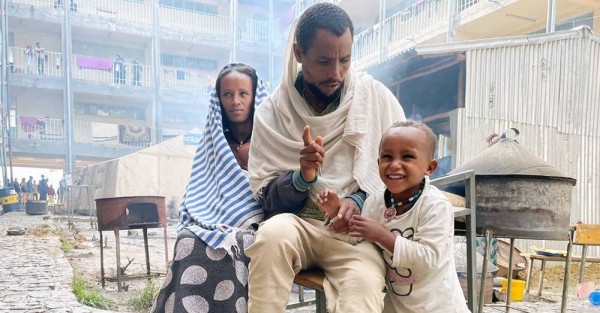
<point>551,93</point>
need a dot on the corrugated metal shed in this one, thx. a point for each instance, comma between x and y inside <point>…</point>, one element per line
<point>547,86</point>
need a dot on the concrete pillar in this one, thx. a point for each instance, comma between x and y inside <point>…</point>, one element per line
<point>67,92</point>
<point>157,110</point>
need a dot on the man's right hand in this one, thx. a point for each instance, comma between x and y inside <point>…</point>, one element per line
<point>312,156</point>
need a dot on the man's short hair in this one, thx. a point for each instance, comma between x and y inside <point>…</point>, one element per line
<point>326,16</point>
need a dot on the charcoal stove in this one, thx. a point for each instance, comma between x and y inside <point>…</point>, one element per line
<point>125,213</point>
<point>519,195</point>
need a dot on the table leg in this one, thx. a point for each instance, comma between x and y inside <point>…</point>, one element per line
<point>541,278</point>
<point>101,260</point>
<point>118,250</point>
<point>563,305</point>
<point>529,272</point>
<point>486,254</point>
<point>511,257</point>
<point>582,264</point>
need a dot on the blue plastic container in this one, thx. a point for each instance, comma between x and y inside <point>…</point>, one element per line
<point>9,200</point>
<point>594,297</point>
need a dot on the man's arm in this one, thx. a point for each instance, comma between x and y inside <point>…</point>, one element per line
<point>285,194</point>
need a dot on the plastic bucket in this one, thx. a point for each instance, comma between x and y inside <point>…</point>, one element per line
<point>9,200</point>
<point>517,289</point>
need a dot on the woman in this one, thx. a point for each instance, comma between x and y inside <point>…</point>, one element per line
<point>210,270</point>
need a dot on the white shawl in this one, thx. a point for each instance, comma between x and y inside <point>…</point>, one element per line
<point>351,134</point>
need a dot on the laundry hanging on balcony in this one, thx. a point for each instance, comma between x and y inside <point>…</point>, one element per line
<point>181,75</point>
<point>134,134</point>
<point>31,124</point>
<point>93,63</point>
<point>287,18</point>
<point>106,133</point>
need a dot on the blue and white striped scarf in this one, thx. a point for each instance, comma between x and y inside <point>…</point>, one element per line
<point>218,201</point>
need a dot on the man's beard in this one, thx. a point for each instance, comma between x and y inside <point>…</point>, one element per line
<point>320,96</point>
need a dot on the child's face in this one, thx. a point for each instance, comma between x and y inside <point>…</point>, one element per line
<point>404,161</point>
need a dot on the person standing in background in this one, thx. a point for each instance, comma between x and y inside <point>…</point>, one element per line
<point>43,189</point>
<point>51,194</point>
<point>41,56</point>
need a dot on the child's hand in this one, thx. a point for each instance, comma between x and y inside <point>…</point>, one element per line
<point>329,202</point>
<point>367,228</point>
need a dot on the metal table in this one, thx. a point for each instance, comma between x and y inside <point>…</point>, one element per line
<point>468,212</point>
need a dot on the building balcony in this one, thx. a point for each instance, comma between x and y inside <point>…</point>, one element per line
<point>46,130</point>
<point>182,79</point>
<point>254,32</point>
<point>30,63</point>
<point>131,11</point>
<point>199,26</point>
<point>102,71</point>
<point>413,25</point>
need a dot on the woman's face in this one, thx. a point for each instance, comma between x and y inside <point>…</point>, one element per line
<point>237,96</point>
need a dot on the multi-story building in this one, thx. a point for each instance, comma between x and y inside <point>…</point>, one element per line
<point>118,75</point>
<point>77,103</point>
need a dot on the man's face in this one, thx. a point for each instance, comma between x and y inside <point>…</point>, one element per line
<point>326,62</point>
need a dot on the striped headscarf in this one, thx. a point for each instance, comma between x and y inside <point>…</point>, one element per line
<point>218,201</point>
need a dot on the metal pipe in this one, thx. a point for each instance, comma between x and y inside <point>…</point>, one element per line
<point>4,78</point>
<point>234,18</point>
<point>156,53</point>
<point>451,13</point>
<point>6,91</point>
<point>67,92</point>
<point>271,78</point>
<point>551,20</point>
<point>382,34</point>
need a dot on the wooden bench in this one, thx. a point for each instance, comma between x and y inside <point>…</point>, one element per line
<point>544,259</point>
<point>312,279</point>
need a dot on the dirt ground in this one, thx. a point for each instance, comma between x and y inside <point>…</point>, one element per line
<point>85,256</point>
<point>85,260</point>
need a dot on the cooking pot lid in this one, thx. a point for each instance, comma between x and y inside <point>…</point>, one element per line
<point>508,157</point>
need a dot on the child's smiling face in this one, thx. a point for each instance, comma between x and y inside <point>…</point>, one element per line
<point>404,160</point>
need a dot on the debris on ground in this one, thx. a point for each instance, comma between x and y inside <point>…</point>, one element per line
<point>16,231</point>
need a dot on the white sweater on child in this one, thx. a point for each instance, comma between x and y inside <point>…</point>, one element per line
<point>421,275</point>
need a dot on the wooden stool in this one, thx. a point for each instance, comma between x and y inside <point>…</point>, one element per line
<point>313,279</point>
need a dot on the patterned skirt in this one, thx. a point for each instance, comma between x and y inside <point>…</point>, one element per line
<point>203,279</point>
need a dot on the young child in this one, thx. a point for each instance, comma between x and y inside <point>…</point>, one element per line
<point>412,222</point>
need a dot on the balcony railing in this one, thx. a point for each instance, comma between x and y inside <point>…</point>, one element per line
<point>30,62</point>
<point>199,22</point>
<point>37,3</point>
<point>102,71</point>
<point>138,11</point>
<point>187,80</point>
<point>366,43</point>
<point>112,134</point>
<point>255,31</point>
<point>52,129</point>
<point>465,4</point>
<point>402,30</point>
<point>34,128</point>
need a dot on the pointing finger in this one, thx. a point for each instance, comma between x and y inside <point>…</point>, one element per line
<point>306,136</point>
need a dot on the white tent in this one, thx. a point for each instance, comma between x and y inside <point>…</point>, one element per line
<point>159,170</point>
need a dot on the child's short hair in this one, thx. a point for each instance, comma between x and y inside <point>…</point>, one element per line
<point>431,138</point>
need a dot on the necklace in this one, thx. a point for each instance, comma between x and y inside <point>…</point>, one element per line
<point>243,142</point>
<point>392,211</point>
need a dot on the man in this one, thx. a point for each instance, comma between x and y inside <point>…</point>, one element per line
<point>17,187</point>
<point>43,189</point>
<point>30,189</point>
<point>351,111</point>
<point>41,57</point>
<point>137,72</point>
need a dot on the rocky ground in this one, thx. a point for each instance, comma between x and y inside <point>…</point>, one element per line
<point>36,274</point>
